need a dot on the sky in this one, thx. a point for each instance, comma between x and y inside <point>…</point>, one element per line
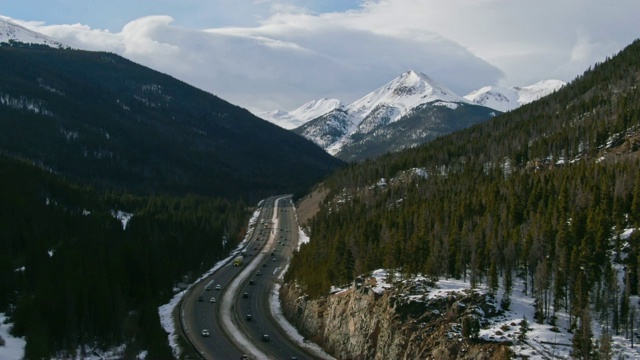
<point>279,54</point>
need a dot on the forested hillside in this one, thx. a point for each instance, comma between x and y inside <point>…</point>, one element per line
<point>539,195</point>
<point>72,276</point>
<point>101,119</point>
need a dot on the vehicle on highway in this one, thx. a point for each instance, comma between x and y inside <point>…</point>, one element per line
<point>237,261</point>
<point>259,273</point>
<point>245,295</point>
<point>205,332</point>
<point>218,287</point>
<point>200,298</point>
<point>212,300</point>
<point>265,337</point>
<point>251,282</point>
<point>208,288</point>
<point>248,317</point>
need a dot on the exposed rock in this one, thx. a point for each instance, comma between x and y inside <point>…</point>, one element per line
<point>362,324</point>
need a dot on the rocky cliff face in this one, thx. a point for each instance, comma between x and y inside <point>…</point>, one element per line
<point>361,323</point>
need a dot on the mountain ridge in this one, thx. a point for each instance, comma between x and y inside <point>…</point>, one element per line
<point>102,119</point>
<point>379,117</point>
<point>496,97</point>
<point>507,99</point>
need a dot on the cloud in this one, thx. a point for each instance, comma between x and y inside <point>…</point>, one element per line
<point>294,54</point>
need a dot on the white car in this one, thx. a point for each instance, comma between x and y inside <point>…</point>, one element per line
<point>205,332</point>
<point>212,300</point>
<point>218,287</point>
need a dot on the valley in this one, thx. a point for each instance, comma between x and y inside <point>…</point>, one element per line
<point>140,217</point>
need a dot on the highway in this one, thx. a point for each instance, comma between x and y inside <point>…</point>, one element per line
<point>231,334</point>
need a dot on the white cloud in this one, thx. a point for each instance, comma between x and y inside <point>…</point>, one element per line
<point>294,55</point>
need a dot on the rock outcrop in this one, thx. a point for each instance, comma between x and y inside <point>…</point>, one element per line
<point>399,323</point>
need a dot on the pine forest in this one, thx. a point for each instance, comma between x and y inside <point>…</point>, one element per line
<point>539,196</point>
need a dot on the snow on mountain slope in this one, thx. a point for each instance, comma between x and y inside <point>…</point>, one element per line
<point>507,99</point>
<point>13,32</point>
<point>299,116</point>
<point>315,108</point>
<point>402,94</point>
<point>383,106</point>
<point>540,89</point>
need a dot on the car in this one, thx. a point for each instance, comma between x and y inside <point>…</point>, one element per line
<point>274,259</point>
<point>205,332</point>
<point>251,282</point>
<point>208,288</point>
<point>264,265</point>
<point>200,298</point>
<point>245,356</point>
<point>218,287</point>
<point>259,273</point>
<point>212,300</point>
<point>248,317</point>
<point>245,295</point>
<point>265,337</point>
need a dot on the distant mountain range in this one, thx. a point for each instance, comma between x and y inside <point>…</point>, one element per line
<point>409,110</point>
<point>98,118</point>
<point>496,97</point>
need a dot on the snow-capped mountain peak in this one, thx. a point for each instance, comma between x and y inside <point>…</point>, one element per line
<point>14,32</point>
<point>405,92</point>
<point>299,116</point>
<point>315,108</point>
<point>506,99</point>
<point>381,114</point>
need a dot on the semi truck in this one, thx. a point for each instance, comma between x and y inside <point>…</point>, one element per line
<point>237,261</point>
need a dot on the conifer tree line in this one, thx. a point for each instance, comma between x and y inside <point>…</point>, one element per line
<point>71,276</point>
<point>528,197</point>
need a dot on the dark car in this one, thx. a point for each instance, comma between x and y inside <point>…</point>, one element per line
<point>265,337</point>
<point>245,295</point>
<point>248,317</point>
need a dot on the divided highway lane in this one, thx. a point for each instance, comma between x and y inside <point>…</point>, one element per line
<point>282,241</point>
<point>199,315</point>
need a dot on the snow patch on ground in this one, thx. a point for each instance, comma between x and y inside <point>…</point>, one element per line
<point>542,341</point>
<point>124,217</point>
<point>13,348</point>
